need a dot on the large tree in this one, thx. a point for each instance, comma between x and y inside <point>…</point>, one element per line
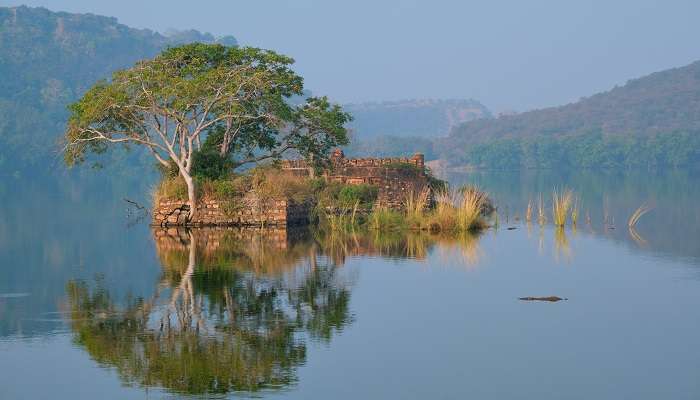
<point>247,97</point>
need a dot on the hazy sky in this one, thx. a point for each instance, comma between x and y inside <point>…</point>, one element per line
<point>508,54</point>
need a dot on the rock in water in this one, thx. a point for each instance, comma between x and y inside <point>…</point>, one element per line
<point>548,298</point>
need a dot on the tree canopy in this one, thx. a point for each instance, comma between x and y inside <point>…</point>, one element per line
<point>171,104</point>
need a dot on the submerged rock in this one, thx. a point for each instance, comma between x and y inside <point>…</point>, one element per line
<point>548,298</point>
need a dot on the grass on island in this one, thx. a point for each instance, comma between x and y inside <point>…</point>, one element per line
<point>341,206</point>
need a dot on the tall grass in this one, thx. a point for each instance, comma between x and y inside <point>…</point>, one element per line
<point>443,217</point>
<point>561,204</point>
<point>461,210</point>
<point>470,208</point>
<point>416,204</point>
<point>385,219</point>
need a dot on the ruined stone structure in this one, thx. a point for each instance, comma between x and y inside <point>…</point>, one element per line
<point>396,178</point>
<point>248,211</point>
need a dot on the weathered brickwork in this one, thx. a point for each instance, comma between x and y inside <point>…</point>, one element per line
<point>396,178</point>
<point>248,211</point>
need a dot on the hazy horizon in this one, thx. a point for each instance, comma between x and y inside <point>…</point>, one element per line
<point>507,55</point>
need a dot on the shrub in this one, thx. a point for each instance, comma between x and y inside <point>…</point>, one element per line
<point>209,164</point>
<point>350,195</point>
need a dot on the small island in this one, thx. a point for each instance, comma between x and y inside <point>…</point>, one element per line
<point>239,142</point>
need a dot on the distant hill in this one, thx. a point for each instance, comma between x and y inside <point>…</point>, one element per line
<point>424,118</point>
<point>395,128</point>
<point>48,59</point>
<point>652,121</point>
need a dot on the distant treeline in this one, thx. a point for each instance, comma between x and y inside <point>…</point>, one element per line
<point>653,121</point>
<point>391,146</point>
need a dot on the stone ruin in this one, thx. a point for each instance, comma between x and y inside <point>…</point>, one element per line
<point>396,178</point>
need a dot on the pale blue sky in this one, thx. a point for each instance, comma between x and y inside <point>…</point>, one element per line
<point>508,54</point>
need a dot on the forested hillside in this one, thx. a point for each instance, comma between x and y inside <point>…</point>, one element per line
<point>652,121</point>
<point>47,60</point>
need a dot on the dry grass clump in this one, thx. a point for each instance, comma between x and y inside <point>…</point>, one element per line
<point>470,209</point>
<point>269,182</point>
<point>462,210</point>
<point>169,189</point>
<point>561,204</point>
<point>415,207</point>
<point>444,216</point>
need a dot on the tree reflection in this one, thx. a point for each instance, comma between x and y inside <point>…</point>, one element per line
<point>221,327</point>
<point>234,309</point>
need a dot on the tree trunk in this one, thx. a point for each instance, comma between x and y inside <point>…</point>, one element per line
<point>191,195</point>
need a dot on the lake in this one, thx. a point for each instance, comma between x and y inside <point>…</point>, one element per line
<point>96,304</point>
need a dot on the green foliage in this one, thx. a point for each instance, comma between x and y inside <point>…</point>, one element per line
<point>651,122</point>
<point>338,196</point>
<point>383,219</point>
<point>364,195</point>
<point>52,58</point>
<point>235,100</point>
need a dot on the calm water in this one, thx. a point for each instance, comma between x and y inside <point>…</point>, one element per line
<point>95,304</point>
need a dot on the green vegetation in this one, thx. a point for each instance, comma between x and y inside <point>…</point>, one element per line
<point>592,150</point>
<point>52,59</point>
<point>464,210</point>
<point>233,329</point>
<point>235,100</point>
<point>651,122</point>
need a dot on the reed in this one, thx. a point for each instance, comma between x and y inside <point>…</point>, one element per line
<point>637,214</point>
<point>353,216</point>
<point>469,212</point>
<point>561,204</point>
<point>528,211</point>
<point>444,217</point>
<point>575,211</point>
<point>416,203</point>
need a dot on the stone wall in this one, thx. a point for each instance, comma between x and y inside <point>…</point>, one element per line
<point>396,177</point>
<point>246,211</point>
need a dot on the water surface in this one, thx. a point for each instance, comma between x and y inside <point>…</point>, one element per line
<point>97,305</point>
